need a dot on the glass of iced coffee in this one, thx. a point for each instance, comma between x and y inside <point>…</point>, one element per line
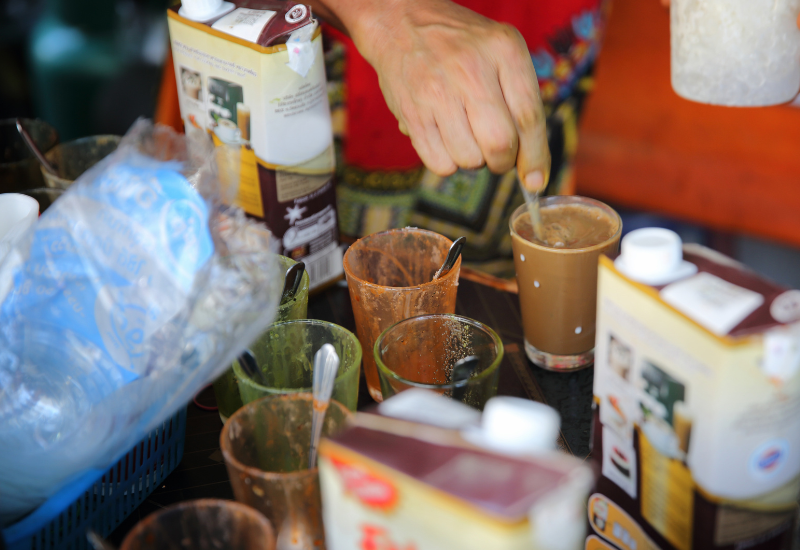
<point>557,277</point>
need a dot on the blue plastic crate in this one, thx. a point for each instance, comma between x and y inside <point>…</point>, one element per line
<point>102,500</point>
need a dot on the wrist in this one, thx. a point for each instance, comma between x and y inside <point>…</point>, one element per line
<point>375,25</point>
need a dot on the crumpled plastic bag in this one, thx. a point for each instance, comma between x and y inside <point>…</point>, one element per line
<point>132,291</point>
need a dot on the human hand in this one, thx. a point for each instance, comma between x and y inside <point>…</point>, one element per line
<point>462,87</point>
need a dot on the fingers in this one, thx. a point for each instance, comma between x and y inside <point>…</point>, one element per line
<point>427,140</point>
<point>521,91</point>
<point>492,126</point>
<point>457,136</point>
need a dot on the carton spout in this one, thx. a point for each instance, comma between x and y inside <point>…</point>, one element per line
<point>204,11</point>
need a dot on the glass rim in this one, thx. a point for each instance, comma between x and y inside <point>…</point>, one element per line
<point>522,209</point>
<point>228,455</point>
<point>449,275</point>
<point>237,369</point>
<point>484,374</point>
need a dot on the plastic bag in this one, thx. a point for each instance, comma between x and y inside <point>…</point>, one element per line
<point>134,289</point>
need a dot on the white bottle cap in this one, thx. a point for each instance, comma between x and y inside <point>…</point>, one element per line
<point>516,426</point>
<point>204,10</point>
<point>653,256</point>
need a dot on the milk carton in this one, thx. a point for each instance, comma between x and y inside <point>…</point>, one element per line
<point>251,73</point>
<point>392,483</point>
<point>696,426</point>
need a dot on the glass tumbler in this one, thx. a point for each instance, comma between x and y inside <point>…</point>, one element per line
<point>265,445</point>
<point>205,523</point>
<point>285,358</point>
<point>226,387</point>
<point>421,352</point>
<point>390,277</point>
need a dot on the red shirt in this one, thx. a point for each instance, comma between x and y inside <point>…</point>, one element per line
<point>562,36</point>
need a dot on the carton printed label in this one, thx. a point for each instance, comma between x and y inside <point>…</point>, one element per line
<point>667,495</point>
<point>712,301</point>
<point>769,458</point>
<point>619,461</point>
<point>615,525</point>
<point>371,490</point>
<point>595,543</point>
<point>378,538</point>
<point>292,186</point>
<point>747,527</point>
<point>786,307</point>
<point>244,23</point>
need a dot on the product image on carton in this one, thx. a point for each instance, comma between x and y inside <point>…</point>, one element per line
<point>251,74</point>
<point>696,427</point>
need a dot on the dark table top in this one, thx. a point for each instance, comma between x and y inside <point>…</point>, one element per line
<point>202,473</point>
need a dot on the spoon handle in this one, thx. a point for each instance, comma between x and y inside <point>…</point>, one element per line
<point>317,420</point>
<point>32,146</point>
<point>452,256</point>
<point>326,365</point>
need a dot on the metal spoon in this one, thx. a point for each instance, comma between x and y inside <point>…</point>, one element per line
<point>294,276</point>
<point>35,150</point>
<point>98,542</point>
<point>326,365</point>
<point>452,256</point>
<point>532,201</point>
<point>250,367</point>
<point>462,370</point>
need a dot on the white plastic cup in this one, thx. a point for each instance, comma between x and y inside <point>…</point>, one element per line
<point>17,213</point>
<point>735,52</point>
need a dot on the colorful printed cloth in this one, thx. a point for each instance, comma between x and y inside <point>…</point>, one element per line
<point>381,181</point>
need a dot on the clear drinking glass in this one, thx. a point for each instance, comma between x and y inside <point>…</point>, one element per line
<point>390,277</point>
<point>265,445</point>
<point>558,287</point>
<point>285,357</point>
<point>226,387</point>
<point>420,353</point>
<point>73,158</point>
<point>205,523</point>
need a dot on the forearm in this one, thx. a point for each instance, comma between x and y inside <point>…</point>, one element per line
<point>368,22</point>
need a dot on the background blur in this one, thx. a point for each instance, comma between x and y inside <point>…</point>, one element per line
<point>725,177</point>
<point>85,66</point>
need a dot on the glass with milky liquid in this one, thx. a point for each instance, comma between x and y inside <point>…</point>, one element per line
<point>558,281</point>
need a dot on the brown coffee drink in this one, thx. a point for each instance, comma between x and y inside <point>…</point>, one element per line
<point>557,277</point>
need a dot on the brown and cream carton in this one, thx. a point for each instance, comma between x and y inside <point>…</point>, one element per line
<point>400,482</point>
<point>251,74</point>
<point>696,428</point>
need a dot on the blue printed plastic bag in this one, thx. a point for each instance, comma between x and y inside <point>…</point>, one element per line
<point>134,289</point>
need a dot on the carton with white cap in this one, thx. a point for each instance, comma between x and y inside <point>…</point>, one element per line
<point>251,73</point>
<point>428,473</point>
<point>696,428</point>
